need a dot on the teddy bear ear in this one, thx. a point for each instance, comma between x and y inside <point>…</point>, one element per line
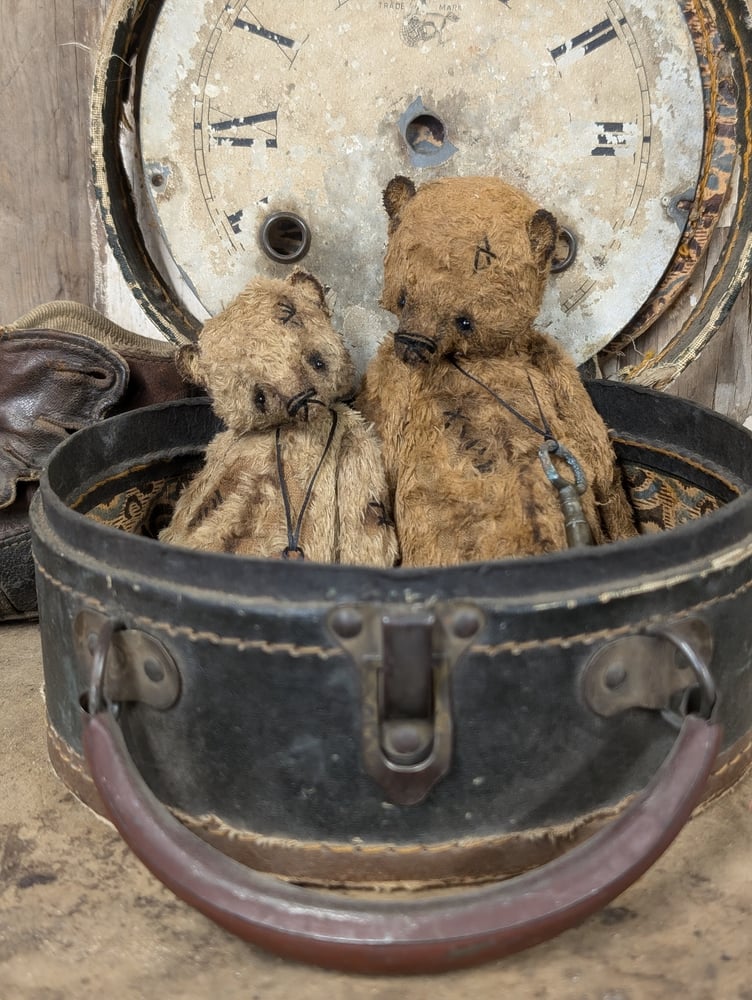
<point>397,193</point>
<point>543,231</point>
<point>310,286</point>
<point>186,362</point>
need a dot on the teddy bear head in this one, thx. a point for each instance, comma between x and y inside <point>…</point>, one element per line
<point>466,265</point>
<point>272,356</point>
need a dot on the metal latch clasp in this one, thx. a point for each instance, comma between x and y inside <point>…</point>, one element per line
<point>405,657</point>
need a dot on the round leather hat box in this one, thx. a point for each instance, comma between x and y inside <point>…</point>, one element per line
<point>503,745</point>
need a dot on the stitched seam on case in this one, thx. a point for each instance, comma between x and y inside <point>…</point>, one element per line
<point>215,824</point>
<point>734,760</point>
<point>588,638</point>
<point>193,635</point>
<point>556,834</point>
<point>513,647</point>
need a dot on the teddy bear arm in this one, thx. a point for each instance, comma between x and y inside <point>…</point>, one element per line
<point>366,527</point>
<point>381,401</point>
<point>204,516</point>
<point>194,496</point>
<point>368,401</point>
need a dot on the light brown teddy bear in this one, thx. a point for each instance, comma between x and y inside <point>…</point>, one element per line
<point>491,444</point>
<point>297,473</point>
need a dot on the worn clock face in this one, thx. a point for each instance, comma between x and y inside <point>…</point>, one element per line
<point>249,110</point>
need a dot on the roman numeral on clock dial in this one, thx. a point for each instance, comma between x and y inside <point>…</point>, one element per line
<point>584,43</point>
<point>234,219</point>
<point>234,131</point>
<point>288,47</point>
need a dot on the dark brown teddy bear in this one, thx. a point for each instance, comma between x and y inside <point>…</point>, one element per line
<point>483,418</point>
<point>297,473</point>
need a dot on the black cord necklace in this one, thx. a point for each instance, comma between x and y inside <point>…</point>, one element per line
<point>293,549</point>
<point>576,527</point>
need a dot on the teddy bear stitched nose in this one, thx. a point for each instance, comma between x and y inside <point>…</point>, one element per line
<point>301,400</point>
<point>413,348</point>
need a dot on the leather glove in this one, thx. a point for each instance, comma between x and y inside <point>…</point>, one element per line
<point>53,383</point>
<point>62,366</point>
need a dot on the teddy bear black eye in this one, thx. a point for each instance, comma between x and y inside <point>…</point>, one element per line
<point>464,324</point>
<point>317,362</point>
<point>259,400</point>
<point>402,300</point>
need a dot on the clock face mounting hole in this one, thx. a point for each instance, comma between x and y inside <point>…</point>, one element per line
<point>285,237</point>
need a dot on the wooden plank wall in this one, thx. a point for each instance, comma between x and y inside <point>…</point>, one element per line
<point>46,67</point>
<point>721,377</point>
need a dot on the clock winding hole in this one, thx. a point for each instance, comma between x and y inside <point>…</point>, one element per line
<point>425,135</point>
<point>285,237</point>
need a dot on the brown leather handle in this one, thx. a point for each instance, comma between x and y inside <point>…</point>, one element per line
<point>404,933</point>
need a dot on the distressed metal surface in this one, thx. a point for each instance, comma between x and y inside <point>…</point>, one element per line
<point>245,111</point>
<point>405,658</point>
<point>644,671</point>
<point>137,666</point>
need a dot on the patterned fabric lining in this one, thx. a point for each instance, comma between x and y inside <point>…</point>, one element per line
<point>142,501</point>
<point>144,506</point>
<point>661,501</point>
<point>140,510</point>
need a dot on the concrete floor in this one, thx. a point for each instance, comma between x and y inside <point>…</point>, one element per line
<point>80,917</point>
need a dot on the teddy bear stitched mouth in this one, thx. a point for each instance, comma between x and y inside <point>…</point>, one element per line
<point>301,402</point>
<point>413,348</point>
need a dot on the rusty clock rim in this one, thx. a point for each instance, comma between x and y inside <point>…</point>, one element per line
<point>128,25</point>
<point>734,263</point>
<point>117,84</point>
<point>715,178</point>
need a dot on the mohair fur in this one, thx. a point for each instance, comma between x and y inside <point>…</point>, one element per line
<point>272,359</point>
<point>465,269</point>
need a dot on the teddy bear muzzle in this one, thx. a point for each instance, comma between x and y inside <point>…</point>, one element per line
<point>413,348</point>
<point>297,406</point>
